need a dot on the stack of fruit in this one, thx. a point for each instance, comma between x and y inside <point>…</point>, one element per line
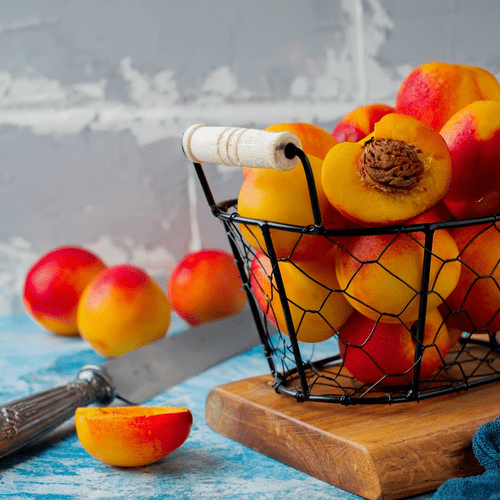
<point>431,157</point>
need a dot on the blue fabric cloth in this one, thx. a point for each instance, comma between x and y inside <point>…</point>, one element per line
<point>486,447</point>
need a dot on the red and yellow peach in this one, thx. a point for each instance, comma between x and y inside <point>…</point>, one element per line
<point>132,436</point>
<point>121,309</point>
<point>473,138</point>
<point>205,285</point>
<point>54,284</point>
<point>317,306</point>
<point>384,353</point>
<point>435,91</point>
<point>360,122</point>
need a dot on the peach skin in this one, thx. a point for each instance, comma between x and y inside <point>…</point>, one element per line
<point>122,309</point>
<point>205,285</point>
<point>317,307</point>
<point>473,138</point>
<point>360,122</point>
<point>54,285</point>
<point>474,304</point>
<point>315,140</point>
<point>382,273</point>
<point>132,436</point>
<point>284,197</point>
<point>435,91</point>
<point>384,353</point>
<point>394,174</point>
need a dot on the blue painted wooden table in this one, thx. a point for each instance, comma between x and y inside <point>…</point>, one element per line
<point>208,465</point>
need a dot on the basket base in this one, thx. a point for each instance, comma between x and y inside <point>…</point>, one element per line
<point>375,451</point>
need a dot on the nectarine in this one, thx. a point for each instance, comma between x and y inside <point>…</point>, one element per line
<point>54,285</point>
<point>317,306</point>
<point>384,353</point>
<point>205,285</point>
<point>122,309</point>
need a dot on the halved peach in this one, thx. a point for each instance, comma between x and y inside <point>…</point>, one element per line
<point>131,436</point>
<point>394,174</point>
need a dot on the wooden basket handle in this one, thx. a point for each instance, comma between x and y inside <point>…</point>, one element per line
<point>241,147</point>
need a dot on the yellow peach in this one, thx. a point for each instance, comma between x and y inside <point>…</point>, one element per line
<point>317,307</point>
<point>122,309</point>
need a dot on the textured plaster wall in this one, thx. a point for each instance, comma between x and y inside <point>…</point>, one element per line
<point>95,96</point>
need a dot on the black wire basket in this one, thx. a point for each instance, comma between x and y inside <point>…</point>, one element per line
<point>319,371</point>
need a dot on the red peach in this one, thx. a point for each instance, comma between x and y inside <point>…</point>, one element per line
<point>205,285</point>
<point>54,285</point>
<point>435,91</point>
<point>385,352</point>
<point>122,309</point>
<point>360,122</point>
<point>132,436</point>
<point>474,304</point>
<point>473,138</point>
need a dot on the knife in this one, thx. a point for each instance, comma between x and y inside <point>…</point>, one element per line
<point>134,378</point>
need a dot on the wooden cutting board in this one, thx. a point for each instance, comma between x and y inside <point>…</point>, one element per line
<point>374,451</point>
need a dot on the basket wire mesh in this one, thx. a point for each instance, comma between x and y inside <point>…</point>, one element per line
<point>317,372</point>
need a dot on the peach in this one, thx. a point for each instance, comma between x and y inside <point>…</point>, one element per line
<point>54,285</point>
<point>317,307</point>
<point>384,353</point>
<point>382,273</point>
<point>284,197</point>
<point>121,309</point>
<point>132,436</point>
<point>315,140</point>
<point>360,122</point>
<point>474,304</point>
<point>205,285</point>
<point>473,138</point>
<point>435,91</point>
<point>399,171</point>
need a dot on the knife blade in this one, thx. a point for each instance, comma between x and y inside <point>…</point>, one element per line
<point>134,378</point>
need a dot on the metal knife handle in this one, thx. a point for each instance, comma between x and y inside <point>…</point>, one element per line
<point>240,147</point>
<point>24,421</point>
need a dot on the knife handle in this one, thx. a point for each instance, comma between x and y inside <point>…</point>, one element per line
<point>24,421</point>
<point>240,147</point>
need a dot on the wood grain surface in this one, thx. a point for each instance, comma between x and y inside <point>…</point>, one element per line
<point>375,451</point>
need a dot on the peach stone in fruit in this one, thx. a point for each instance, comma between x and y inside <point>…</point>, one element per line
<point>132,436</point>
<point>205,285</point>
<point>399,171</point>
<point>122,309</point>
<point>473,138</point>
<point>54,285</point>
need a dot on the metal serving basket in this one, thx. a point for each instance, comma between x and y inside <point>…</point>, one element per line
<point>317,372</point>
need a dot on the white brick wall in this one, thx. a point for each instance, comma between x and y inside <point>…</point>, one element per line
<point>95,96</point>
